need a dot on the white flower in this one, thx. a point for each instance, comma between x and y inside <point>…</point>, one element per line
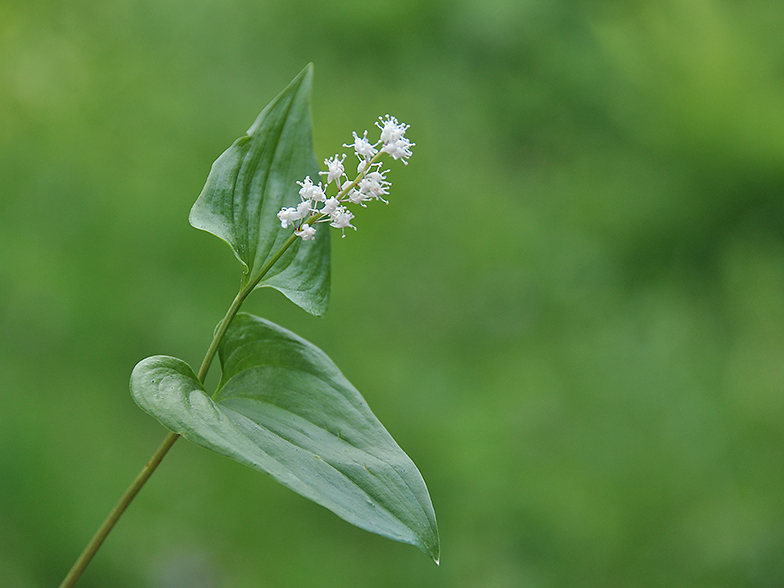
<point>341,219</point>
<point>391,129</point>
<point>330,206</point>
<point>358,197</point>
<point>362,165</point>
<point>352,194</point>
<point>379,180</point>
<point>335,168</point>
<point>306,232</point>
<point>287,216</point>
<point>373,185</point>
<point>400,149</point>
<point>362,146</point>
<point>392,136</point>
<point>309,191</point>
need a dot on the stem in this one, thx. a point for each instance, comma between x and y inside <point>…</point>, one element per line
<point>223,326</point>
<point>98,539</point>
<point>100,535</point>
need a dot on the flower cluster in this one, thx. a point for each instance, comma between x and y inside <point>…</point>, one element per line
<point>370,182</point>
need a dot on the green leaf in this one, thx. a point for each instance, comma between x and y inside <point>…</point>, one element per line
<point>284,408</point>
<point>252,180</point>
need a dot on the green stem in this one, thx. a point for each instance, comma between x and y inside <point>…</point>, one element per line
<point>100,535</point>
<point>223,326</point>
<point>108,524</point>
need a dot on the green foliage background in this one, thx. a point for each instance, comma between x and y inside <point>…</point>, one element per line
<point>571,314</point>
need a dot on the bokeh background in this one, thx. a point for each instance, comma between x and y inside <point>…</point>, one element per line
<point>570,315</point>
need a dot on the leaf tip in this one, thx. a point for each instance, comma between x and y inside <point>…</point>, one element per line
<point>435,552</point>
<point>429,542</point>
<point>304,77</point>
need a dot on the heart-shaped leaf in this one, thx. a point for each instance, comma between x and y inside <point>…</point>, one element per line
<point>284,408</point>
<point>252,180</point>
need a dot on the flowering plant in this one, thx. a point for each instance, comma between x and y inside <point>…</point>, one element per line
<point>282,406</point>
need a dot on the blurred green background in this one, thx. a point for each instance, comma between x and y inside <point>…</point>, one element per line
<point>571,314</point>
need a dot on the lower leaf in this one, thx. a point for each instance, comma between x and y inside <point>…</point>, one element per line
<point>285,409</point>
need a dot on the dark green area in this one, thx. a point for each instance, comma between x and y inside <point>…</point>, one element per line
<point>570,315</point>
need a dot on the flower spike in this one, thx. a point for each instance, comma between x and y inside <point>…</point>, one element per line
<point>370,182</point>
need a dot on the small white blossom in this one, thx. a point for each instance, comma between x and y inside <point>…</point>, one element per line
<point>303,209</point>
<point>358,197</point>
<point>287,216</point>
<point>400,149</point>
<point>362,165</point>
<point>374,186</point>
<point>306,232</point>
<point>335,168</point>
<point>341,219</point>
<point>330,205</point>
<point>362,146</point>
<point>379,179</point>
<point>351,193</point>
<point>310,191</point>
<point>392,136</point>
<point>391,130</point>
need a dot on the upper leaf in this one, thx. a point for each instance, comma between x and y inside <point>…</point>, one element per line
<point>284,408</point>
<point>252,180</point>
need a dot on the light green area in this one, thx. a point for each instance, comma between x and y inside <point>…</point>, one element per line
<point>570,315</point>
